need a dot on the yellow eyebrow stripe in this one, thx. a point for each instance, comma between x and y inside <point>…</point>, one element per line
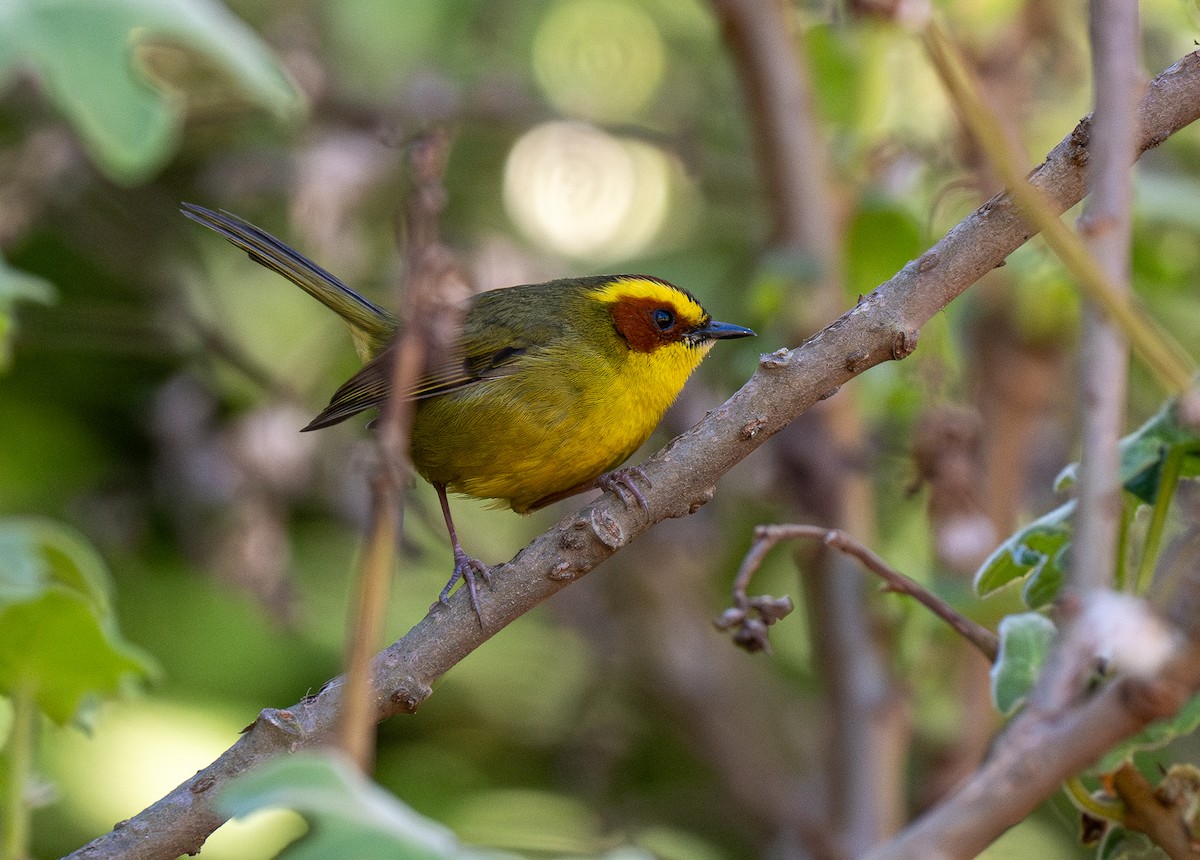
<point>625,289</point>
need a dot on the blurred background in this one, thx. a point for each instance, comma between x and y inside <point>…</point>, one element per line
<point>154,380</point>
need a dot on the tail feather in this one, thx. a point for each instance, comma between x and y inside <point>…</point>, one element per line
<point>371,326</point>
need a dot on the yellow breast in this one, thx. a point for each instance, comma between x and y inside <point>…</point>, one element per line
<point>560,420</point>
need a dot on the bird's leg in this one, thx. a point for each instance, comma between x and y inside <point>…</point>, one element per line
<point>465,567</point>
<point>620,481</point>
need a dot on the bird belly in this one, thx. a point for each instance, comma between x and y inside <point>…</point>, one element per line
<point>526,436</point>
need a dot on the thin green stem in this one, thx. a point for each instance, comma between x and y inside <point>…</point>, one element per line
<point>1113,811</point>
<point>1167,481</point>
<point>14,824</point>
<point>1169,363</point>
<point>1121,572</point>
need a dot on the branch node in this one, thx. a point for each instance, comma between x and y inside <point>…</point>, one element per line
<point>904,343</point>
<point>410,696</point>
<point>571,540</point>
<point>750,428</point>
<point>752,619</point>
<point>562,571</point>
<point>776,360</point>
<point>928,261</point>
<point>701,500</point>
<point>857,360</point>
<point>606,529</point>
<point>830,393</point>
<point>283,721</point>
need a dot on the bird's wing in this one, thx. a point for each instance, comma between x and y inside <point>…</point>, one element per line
<point>468,364</point>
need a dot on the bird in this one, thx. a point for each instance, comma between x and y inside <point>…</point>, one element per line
<point>547,390</point>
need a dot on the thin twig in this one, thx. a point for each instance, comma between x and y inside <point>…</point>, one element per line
<point>882,327</point>
<point>429,264</point>
<point>766,537</point>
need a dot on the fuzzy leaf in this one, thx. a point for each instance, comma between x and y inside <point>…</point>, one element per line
<point>348,815</point>
<point>97,60</point>
<point>57,633</point>
<point>1037,546</point>
<point>1153,736</point>
<point>1024,643</point>
<point>1143,453</point>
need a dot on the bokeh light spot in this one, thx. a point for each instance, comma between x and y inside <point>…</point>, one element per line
<point>578,191</point>
<point>598,59</point>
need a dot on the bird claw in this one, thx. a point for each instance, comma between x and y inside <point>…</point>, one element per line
<point>621,482</point>
<point>466,569</point>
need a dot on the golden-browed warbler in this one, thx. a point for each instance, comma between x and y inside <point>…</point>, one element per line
<point>549,387</point>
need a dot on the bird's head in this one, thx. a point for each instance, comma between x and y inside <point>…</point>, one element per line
<point>652,315</point>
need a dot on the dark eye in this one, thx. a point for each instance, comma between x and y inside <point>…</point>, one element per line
<point>664,319</point>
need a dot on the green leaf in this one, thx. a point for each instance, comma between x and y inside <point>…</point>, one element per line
<point>1122,844</point>
<point>1046,579</point>
<point>57,633</point>
<point>348,815</point>
<point>1144,451</point>
<point>1153,736</point>
<point>97,60</point>
<point>16,286</point>
<point>1024,643</point>
<point>1038,549</point>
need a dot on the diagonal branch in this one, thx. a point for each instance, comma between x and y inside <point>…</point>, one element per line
<point>883,326</point>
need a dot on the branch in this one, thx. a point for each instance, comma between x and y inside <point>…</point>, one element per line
<point>882,327</point>
<point>1037,753</point>
<point>1147,811</point>
<point>1107,228</point>
<point>766,537</point>
<point>429,274</point>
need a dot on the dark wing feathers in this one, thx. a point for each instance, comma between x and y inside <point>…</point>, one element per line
<point>370,386</point>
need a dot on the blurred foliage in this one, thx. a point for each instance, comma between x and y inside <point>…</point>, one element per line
<point>96,59</point>
<point>1025,641</point>
<point>16,286</point>
<point>58,636</point>
<point>151,399</point>
<point>348,816</point>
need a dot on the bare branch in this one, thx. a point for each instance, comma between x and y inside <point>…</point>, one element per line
<point>1107,229</point>
<point>766,537</point>
<point>1147,812</point>
<point>431,274</point>
<point>882,327</point>
<point>1036,754</point>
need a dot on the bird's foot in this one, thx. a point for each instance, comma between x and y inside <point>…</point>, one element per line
<point>466,569</point>
<point>621,482</point>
